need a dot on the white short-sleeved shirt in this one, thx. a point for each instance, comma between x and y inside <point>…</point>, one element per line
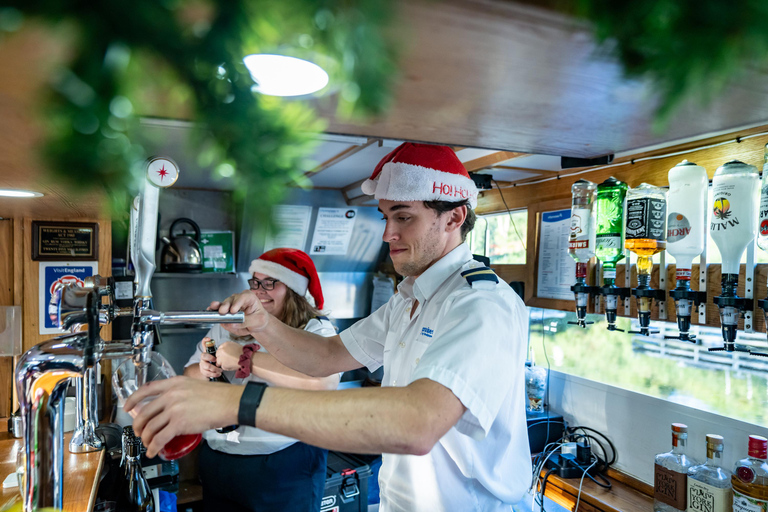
<point>249,440</point>
<point>470,339</point>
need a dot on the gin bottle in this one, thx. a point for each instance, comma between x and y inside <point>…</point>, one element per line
<point>670,479</point>
<point>750,478</point>
<point>709,485</point>
<point>610,226</point>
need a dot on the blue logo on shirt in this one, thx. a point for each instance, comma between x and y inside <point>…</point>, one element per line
<point>426,331</point>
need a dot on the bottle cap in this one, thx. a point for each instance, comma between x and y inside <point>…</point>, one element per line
<point>714,442</point>
<point>758,447</point>
<point>210,343</point>
<point>684,162</point>
<point>680,428</point>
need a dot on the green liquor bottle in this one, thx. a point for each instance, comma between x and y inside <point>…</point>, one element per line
<point>609,242</point>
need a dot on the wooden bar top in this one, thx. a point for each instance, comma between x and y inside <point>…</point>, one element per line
<point>81,474</point>
<point>626,494</point>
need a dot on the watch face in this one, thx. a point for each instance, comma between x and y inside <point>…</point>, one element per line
<point>745,474</point>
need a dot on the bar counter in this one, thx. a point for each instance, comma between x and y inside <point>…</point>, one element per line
<point>81,474</point>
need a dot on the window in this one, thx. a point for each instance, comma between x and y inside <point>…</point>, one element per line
<point>730,384</point>
<point>501,237</point>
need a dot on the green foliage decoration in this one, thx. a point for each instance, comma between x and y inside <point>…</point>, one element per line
<point>186,56</point>
<point>687,48</point>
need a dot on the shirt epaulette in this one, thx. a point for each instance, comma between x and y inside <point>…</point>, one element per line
<point>476,274</point>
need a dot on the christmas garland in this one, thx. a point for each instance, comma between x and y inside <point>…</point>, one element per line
<point>186,56</point>
<point>687,48</point>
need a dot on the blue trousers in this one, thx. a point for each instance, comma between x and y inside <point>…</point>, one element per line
<point>291,480</point>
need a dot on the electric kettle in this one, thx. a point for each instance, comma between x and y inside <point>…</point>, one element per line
<point>182,253</point>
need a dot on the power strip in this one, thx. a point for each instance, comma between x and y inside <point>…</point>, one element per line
<point>566,466</point>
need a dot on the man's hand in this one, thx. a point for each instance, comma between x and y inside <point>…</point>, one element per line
<point>228,356</point>
<point>256,318</point>
<point>181,405</point>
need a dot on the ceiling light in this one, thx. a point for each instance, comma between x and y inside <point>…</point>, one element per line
<point>7,192</point>
<point>278,75</point>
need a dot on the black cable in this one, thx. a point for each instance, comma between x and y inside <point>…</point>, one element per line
<point>543,487</point>
<point>613,448</point>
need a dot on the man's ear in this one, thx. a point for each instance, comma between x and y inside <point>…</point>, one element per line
<point>456,218</point>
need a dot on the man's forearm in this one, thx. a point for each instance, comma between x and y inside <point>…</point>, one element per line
<point>369,420</point>
<point>193,371</point>
<point>306,352</point>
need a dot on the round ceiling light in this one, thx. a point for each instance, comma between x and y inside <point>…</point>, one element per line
<point>278,75</point>
<point>8,192</point>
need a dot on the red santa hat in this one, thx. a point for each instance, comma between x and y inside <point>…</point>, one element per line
<point>421,172</point>
<point>292,267</point>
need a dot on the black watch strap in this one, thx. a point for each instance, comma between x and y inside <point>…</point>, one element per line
<point>249,402</point>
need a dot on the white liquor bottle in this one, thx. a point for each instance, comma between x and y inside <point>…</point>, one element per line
<point>670,480</point>
<point>709,485</point>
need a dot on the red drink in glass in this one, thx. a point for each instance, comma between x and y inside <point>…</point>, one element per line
<point>179,446</point>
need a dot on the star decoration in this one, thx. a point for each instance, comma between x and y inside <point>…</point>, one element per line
<point>162,172</point>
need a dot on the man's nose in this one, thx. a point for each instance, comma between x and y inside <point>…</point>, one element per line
<point>390,233</point>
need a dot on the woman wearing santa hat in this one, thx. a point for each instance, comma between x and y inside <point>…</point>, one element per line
<point>249,469</point>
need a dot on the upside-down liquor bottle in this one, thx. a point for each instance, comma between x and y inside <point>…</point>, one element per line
<point>609,240</point>
<point>686,232</point>
<point>646,235</point>
<point>581,242</point>
<point>709,484</point>
<point>670,480</point>
<point>750,478</point>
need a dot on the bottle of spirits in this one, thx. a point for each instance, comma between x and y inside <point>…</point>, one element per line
<point>210,347</point>
<point>609,241</point>
<point>709,485</point>
<point>750,478</point>
<point>610,225</point>
<point>581,241</point>
<point>735,192</point>
<point>762,236</point>
<point>686,230</point>
<point>135,494</point>
<point>646,235</point>
<point>670,481</point>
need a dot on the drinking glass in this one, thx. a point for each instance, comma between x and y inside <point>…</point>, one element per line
<point>125,382</point>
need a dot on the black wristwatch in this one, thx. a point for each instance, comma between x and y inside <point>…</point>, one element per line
<point>249,402</point>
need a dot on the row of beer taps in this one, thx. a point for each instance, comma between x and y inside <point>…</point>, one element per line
<point>44,372</point>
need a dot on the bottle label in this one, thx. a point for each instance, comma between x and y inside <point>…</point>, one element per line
<point>670,487</point>
<point>609,273</point>
<point>703,497</point>
<point>743,503</point>
<point>609,241</point>
<point>764,212</point>
<point>645,218</point>
<point>683,274</point>
<point>580,229</point>
<point>678,227</point>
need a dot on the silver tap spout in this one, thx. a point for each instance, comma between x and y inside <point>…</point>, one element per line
<point>42,376</point>
<point>84,438</point>
<point>190,317</point>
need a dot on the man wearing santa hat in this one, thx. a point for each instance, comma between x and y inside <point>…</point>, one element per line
<point>450,415</point>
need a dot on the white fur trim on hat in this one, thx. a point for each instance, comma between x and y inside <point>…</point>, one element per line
<point>291,279</point>
<point>399,181</point>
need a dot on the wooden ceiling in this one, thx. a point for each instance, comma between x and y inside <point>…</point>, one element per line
<point>474,74</point>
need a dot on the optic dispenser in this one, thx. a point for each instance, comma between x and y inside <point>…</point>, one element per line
<point>581,243</point>
<point>609,238</point>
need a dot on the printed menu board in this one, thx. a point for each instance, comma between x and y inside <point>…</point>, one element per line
<point>556,268</point>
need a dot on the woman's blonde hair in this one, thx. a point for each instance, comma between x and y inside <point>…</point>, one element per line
<point>297,311</point>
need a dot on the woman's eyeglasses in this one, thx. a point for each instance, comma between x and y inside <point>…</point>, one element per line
<point>267,284</point>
